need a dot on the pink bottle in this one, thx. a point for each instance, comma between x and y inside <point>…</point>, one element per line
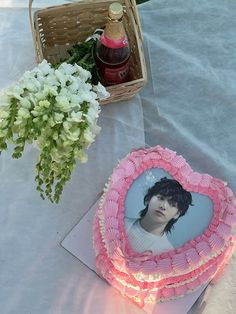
<point>113,51</point>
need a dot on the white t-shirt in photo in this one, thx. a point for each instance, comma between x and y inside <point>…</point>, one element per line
<point>141,240</point>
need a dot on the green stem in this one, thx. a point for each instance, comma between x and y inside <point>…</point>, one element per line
<point>84,58</point>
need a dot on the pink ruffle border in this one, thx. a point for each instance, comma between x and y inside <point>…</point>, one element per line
<point>148,278</point>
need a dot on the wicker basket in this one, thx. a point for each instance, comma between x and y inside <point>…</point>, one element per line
<point>56,28</point>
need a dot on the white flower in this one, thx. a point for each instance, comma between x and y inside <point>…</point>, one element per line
<point>96,129</point>
<point>65,92</point>
<point>76,100</point>
<point>44,104</point>
<point>23,113</point>
<point>63,135</point>
<point>51,80</point>
<point>25,103</point>
<point>102,93</point>
<point>75,117</point>
<point>67,68</point>
<point>39,96</point>
<point>67,126</point>
<point>31,87</point>
<point>87,95</point>
<point>55,136</point>
<point>50,90</point>
<point>72,133</point>
<point>15,91</point>
<point>61,78</point>
<point>82,73</point>
<point>74,84</point>
<point>82,156</point>
<point>92,115</point>
<point>3,124</point>
<point>67,144</point>
<point>4,114</point>
<point>3,132</point>
<point>73,136</point>
<point>5,101</point>
<point>51,122</point>
<point>89,137</point>
<point>44,67</point>
<point>63,103</point>
<point>58,117</point>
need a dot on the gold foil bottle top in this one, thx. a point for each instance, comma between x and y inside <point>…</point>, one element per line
<point>115,11</point>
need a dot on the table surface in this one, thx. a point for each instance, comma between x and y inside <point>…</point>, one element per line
<point>188,105</point>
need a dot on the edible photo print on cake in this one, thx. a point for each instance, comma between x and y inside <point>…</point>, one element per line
<point>161,215</point>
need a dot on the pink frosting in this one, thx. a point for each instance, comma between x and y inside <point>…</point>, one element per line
<point>224,230</point>
<point>178,162</point>
<point>216,242</point>
<point>205,180</point>
<point>149,266</point>
<point>194,180</point>
<point>179,262</point>
<point>203,249</point>
<point>134,266</point>
<point>192,256</point>
<point>118,174</point>
<point>181,290</point>
<point>168,292</point>
<point>204,276</point>
<point>191,285</point>
<point>185,171</point>
<point>231,209</point>
<point>129,167</point>
<point>118,184</point>
<point>110,209</point>
<point>112,195</point>
<point>164,266</point>
<point>111,223</point>
<point>230,220</point>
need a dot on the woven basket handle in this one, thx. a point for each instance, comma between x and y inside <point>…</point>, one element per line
<point>31,18</point>
<point>33,30</point>
<point>136,17</point>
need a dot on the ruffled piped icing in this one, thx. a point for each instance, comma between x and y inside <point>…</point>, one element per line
<point>203,249</point>
<point>148,266</point>
<point>230,220</point>
<point>146,277</point>
<point>224,230</point>
<point>164,266</point>
<point>216,242</point>
<point>112,195</point>
<point>179,262</point>
<point>192,256</point>
<point>111,208</point>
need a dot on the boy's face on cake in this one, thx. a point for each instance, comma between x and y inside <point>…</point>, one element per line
<point>162,210</point>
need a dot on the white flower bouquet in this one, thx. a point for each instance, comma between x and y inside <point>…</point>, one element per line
<point>58,110</point>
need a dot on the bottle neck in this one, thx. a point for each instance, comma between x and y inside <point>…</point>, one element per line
<point>114,35</point>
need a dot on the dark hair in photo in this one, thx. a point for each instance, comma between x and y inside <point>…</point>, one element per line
<point>176,195</point>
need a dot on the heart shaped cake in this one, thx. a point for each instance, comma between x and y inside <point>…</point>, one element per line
<point>147,276</point>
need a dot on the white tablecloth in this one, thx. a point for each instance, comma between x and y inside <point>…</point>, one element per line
<point>188,105</point>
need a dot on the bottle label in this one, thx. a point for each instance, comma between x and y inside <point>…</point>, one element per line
<point>114,43</point>
<point>116,75</point>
